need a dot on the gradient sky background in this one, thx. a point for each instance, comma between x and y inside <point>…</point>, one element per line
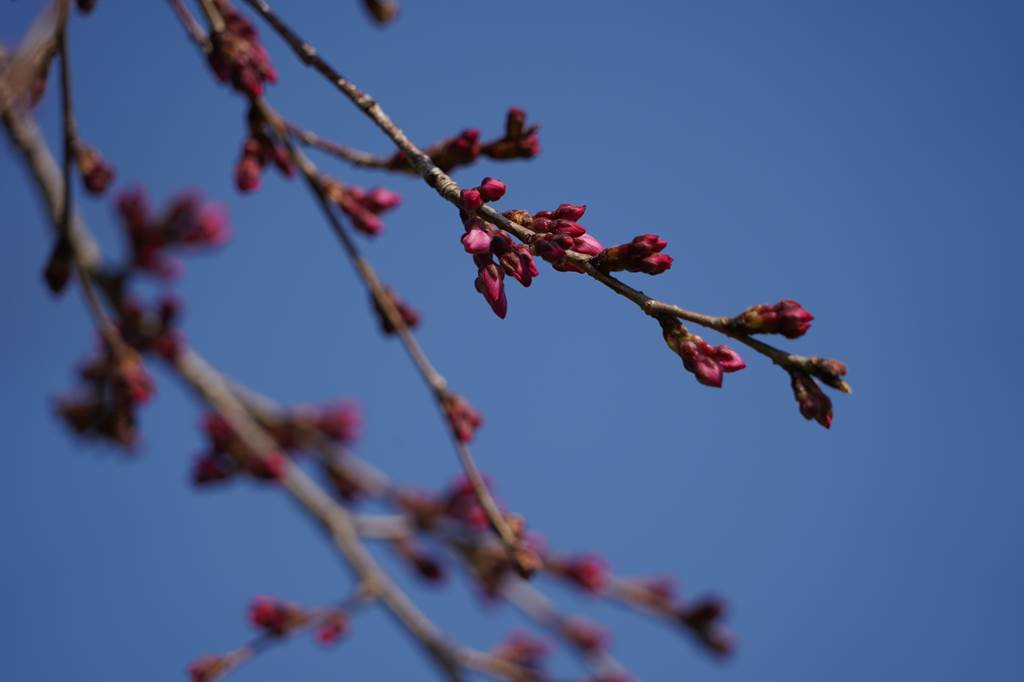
<point>864,158</point>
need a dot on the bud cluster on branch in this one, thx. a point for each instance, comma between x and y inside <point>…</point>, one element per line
<point>306,452</point>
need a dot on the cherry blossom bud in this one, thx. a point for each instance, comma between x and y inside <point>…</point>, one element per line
<point>787,317</point>
<point>248,176</point>
<point>211,468</point>
<point>332,628</point>
<point>706,362</point>
<point>489,282</point>
<point>96,173</point>
<point>340,422</point>
<point>476,241</point>
<point>523,649</point>
<point>813,402</point>
<point>492,189</point>
<point>587,572</point>
<point>271,467</point>
<point>571,212</point>
<point>471,200</point>
<point>208,668</point>
<point>464,420</point>
<point>831,373</point>
<point>275,617</point>
<point>562,226</point>
<point>380,199</point>
<point>587,245</point>
<point>409,316</point>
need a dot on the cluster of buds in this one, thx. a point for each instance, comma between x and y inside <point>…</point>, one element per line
<point>96,173</point>
<point>152,331</point>
<point>275,617</point>
<point>643,254</point>
<point>292,430</point>
<point>237,56</point>
<point>525,650</point>
<point>410,317</point>
<point>332,627</point>
<point>362,206</point>
<point>382,11</point>
<point>115,384</point>
<point>787,317</point>
<point>813,402</point>
<point>461,150</point>
<point>557,232</point>
<point>462,418</point>
<point>588,572</point>
<point>519,142</point>
<point>258,150</point>
<point>703,618</point>
<point>707,363</point>
<point>419,560</point>
<point>226,456</point>
<point>187,223</point>
<point>486,243</point>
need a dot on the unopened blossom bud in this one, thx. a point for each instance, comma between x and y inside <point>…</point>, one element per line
<point>523,649</point>
<point>787,317</point>
<point>339,422</point>
<point>211,468</point>
<point>471,200</point>
<point>476,241</point>
<point>410,317</point>
<point>831,373</point>
<point>642,254</point>
<point>218,431</point>
<point>563,226</point>
<point>571,212</point>
<point>549,250</point>
<point>813,402</point>
<point>275,617</point>
<point>380,199</point>
<point>706,362</point>
<point>464,420</point>
<point>96,173</point>
<point>489,282</point>
<point>332,628</point>
<point>208,668</point>
<point>133,380</point>
<point>587,572</point>
<point>382,11</point>
<point>492,189</point>
<point>587,245</point>
<point>247,174</point>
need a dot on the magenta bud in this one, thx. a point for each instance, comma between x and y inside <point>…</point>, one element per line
<point>471,200</point>
<point>492,189</point>
<point>476,241</point>
<point>568,227</point>
<point>381,199</point>
<point>728,359</point>
<point>586,244</point>
<point>570,212</point>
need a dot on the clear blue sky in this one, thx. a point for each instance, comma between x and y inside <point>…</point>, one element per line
<point>864,158</point>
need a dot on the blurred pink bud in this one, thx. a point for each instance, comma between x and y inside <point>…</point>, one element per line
<point>471,200</point>
<point>492,189</point>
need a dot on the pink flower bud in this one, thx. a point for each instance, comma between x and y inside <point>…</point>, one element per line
<point>787,317</point>
<point>489,283</point>
<point>471,200</point>
<point>655,264</point>
<point>587,245</point>
<point>728,359</point>
<point>562,226</point>
<point>492,189</point>
<point>571,212</point>
<point>813,402</point>
<point>332,627</point>
<point>380,199</point>
<point>587,572</point>
<point>476,241</point>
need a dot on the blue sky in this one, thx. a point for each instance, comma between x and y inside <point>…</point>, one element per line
<point>863,158</point>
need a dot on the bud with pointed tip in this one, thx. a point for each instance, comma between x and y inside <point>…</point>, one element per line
<point>813,402</point>
<point>492,189</point>
<point>787,317</point>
